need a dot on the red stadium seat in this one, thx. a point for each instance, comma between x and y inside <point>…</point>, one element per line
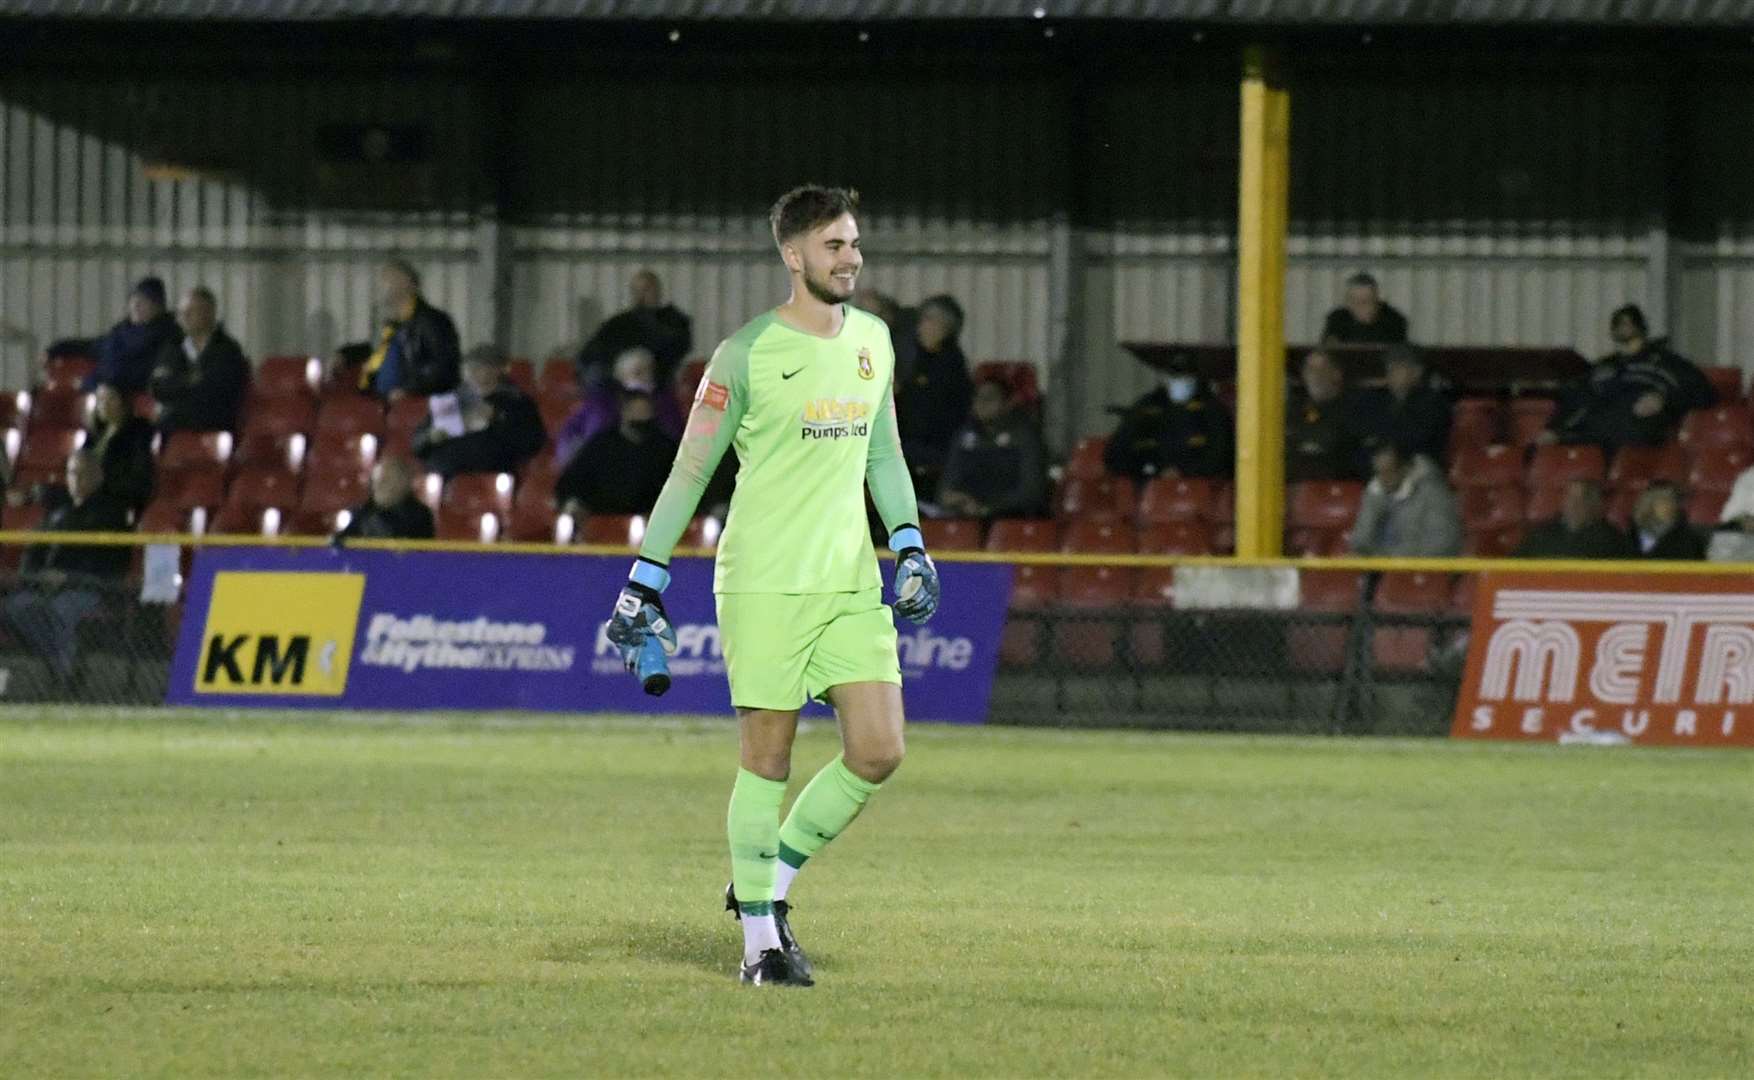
<point>1321,647</point>
<point>1311,543</point>
<point>1406,648</point>
<point>1726,382</point>
<point>1622,503</point>
<point>280,416</point>
<point>18,519</point>
<point>236,520</point>
<point>1155,587</point>
<point>1718,471</point>
<point>258,487</point>
<point>522,374</point>
<point>1099,538</point>
<point>1174,499</point>
<point>58,407</point>
<point>1462,597</point>
<point>951,534</point>
<point>1034,586</point>
<point>1487,466</point>
<point>1528,418</point>
<point>260,448</point>
<point>532,521</point>
<point>554,412</point>
<point>1717,428</point>
<point>1555,466</point>
<point>479,493</point>
<point>1087,644</point>
<point>688,379</point>
<point>616,529</point>
<point>303,522</point>
<point>163,516</point>
<point>467,525</point>
<point>68,371</point>
<point>559,377</point>
<point>197,486</point>
<point>11,414</point>
<point>1491,543</point>
<point>1476,421</point>
<point>1023,534</point>
<point>1706,507</point>
<point>1637,466</point>
<point>184,448</point>
<point>1018,375</point>
<point>49,448</point>
<point>345,416</point>
<point>1085,462</point>
<point>1324,504</point>
<point>287,376</point>
<point>702,532</point>
<point>329,489</point>
<point>333,451</point>
<point>1176,538</point>
<point>28,478</point>
<point>1491,508</point>
<point>1544,504</point>
<point>1222,509</point>
<point>1100,499</point>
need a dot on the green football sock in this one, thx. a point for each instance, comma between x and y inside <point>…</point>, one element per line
<point>827,805</point>
<point>753,827</point>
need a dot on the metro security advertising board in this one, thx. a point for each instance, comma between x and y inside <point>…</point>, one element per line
<point>371,629</point>
<point>1611,658</point>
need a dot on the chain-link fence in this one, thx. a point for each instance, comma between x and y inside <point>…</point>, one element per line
<point>80,639</point>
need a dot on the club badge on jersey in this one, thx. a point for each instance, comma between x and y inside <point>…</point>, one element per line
<point>865,369</point>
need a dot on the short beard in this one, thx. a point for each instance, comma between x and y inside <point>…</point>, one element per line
<point>822,293</point>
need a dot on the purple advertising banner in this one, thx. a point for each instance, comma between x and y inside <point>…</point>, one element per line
<point>372,629</point>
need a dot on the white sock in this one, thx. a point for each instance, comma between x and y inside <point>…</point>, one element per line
<point>784,872</point>
<point>759,935</point>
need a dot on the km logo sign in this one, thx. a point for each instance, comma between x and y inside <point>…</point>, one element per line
<point>279,633</point>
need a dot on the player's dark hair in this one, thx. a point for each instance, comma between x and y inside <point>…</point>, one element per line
<point>810,207</point>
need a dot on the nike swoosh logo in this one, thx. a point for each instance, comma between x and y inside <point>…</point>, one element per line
<point>767,854</point>
<point>789,374</point>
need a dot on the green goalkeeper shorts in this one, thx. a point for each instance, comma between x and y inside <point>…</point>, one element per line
<point>781,649</point>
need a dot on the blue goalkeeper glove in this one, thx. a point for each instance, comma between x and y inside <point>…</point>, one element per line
<point>916,579</point>
<point>641,630</point>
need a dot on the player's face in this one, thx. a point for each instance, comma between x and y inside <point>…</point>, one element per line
<point>829,260</point>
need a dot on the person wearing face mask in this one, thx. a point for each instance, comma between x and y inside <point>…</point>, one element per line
<point>1634,396</point>
<point>501,427</point>
<point>932,389</point>
<point>1179,428</point>
<point>600,409</point>
<point>995,468</point>
<point>622,469</point>
<point>1321,425</point>
<point>1409,411</point>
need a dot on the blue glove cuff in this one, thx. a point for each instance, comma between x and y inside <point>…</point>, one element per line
<point>906,537</point>
<point>649,574</point>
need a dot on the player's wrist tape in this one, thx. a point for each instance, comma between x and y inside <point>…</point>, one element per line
<point>906,537</point>
<point>650,574</point>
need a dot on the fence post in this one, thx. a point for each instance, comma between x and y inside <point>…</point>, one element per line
<point>1263,214</point>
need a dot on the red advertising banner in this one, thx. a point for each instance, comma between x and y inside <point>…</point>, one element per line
<point>1610,658</point>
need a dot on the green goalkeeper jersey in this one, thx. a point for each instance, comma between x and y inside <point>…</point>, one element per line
<point>813,421</point>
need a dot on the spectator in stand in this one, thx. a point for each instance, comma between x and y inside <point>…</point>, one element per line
<point>883,306</point>
<point>1733,539</point>
<point>64,583</point>
<point>126,354</point>
<point>1180,428</point>
<point>661,329</point>
<point>635,370</point>
<point>1365,318</point>
<point>1634,396</point>
<point>392,512</point>
<point>1321,441</point>
<point>621,470</point>
<point>123,445</point>
<point>932,390</point>
<point>1581,531</point>
<point>416,351</point>
<point>1410,411</point>
<point>1659,529</point>
<point>1408,510</point>
<point>996,467</point>
<point>489,425</point>
<point>199,383</point>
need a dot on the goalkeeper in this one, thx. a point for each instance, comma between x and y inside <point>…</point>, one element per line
<point>805,394</point>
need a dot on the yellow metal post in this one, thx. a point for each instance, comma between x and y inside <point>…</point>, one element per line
<point>1263,216</point>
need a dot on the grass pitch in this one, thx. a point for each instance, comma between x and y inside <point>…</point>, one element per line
<point>184,895</point>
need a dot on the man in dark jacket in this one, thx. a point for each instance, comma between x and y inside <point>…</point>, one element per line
<point>1321,422</point>
<point>1409,412</point>
<point>126,355</point>
<point>932,389</point>
<point>199,383</point>
<point>499,427</point>
<point>1365,318</point>
<point>659,328</point>
<point>64,583</point>
<point>1659,530</point>
<point>416,350</point>
<point>621,470</point>
<point>1179,429</point>
<point>996,467</point>
<point>1634,396</point>
<point>1581,531</point>
<point>392,512</point>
